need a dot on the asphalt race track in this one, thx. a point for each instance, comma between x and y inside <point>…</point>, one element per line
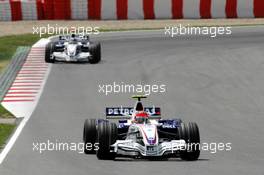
<point>218,83</point>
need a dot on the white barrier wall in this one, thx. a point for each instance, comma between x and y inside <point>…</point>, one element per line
<point>29,10</point>
<point>245,8</point>
<point>129,9</point>
<point>5,11</point>
<point>135,9</point>
<point>79,9</point>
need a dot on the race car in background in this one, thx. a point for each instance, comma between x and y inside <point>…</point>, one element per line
<point>73,48</point>
<point>141,133</point>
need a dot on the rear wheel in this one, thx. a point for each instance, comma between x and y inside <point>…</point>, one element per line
<point>106,136</point>
<point>190,133</point>
<point>95,51</point>
<point>89,135</point>
<point>48,52</point>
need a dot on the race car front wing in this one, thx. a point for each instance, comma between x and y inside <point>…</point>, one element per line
<point>132,148</point>
<point>62,56</point>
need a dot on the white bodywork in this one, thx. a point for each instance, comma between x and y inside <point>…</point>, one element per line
<point>68,48</point>
<point>142,139</point>
<point>150,146</point>
<point>70,53</point>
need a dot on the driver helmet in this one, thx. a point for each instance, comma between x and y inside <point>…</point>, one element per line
<point>73,35</point>
<point>141,117</point>
<point>73,38</point>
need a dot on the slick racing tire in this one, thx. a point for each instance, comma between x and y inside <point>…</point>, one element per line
<point>106,136</point>
<point>95,51</point>
<point>89,136</point>
<point>190,133</point>
<point>48,51</point>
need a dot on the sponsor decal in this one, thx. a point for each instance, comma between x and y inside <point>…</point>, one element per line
<point>119,111</point>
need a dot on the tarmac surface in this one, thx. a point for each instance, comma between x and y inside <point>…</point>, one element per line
<point>216,82</point>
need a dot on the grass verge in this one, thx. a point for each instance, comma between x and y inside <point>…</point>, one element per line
<point>4,113</point>
<point>5,131</point>
<point>9,44</point>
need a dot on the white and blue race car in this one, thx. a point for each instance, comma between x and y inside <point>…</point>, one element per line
<point>141,133</point>
<point>73,48</point>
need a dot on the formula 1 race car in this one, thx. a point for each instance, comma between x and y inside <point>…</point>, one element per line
<point>141,133</point>
<point>73,48</point>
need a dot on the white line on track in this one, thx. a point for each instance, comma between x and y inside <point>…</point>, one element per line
<point>13,139</point>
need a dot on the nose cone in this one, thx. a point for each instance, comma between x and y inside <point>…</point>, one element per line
<point>150,134</point>
<point>72,49</point>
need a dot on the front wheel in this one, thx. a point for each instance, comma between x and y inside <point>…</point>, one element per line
<point>48,52</point>
<point>190,133</point>
<point>89,136</point>
<point>95,51</point>
<point>106,136</point>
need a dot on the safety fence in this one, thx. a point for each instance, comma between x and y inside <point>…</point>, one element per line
<point>12,10</point>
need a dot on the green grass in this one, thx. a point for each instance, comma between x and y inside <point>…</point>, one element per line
<point>5,131</point>
<point>4,113</point>
<point>9,44</point>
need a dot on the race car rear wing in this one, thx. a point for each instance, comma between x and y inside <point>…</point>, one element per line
<point>126,112</point>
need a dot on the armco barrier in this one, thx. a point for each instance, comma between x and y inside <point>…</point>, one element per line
<point>129,9</point>
<point>9,74</point>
